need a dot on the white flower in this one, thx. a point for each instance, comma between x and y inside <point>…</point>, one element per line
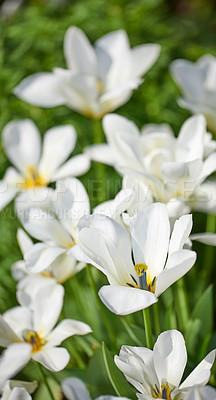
<point>98,80</point>
<point>36,166</point>
<point>173,168</point>
<point>198,84</point>
<point>34,325</point>
<point>12,360</point>
<point>74,388</point>
<point>136,266</point>
<point>56,254</point>
<point>157,373</point>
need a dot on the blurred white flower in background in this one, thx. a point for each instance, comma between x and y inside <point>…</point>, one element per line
<point>157,373</point>
<point>174,169</point>
<point>197,80</point>
<point>98,80</point>
<point>138,267</point>
<point>35,166</point>
<point>32,324</point>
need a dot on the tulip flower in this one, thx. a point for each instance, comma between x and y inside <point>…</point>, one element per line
<point>139,267</point>
<point>33,325</point>
<point>198,84</point>
<point>98,80</point>
<point>35,167</point>
<point>157,373</point>
<point>174,169</point>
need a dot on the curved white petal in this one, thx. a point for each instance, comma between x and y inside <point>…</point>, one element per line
<point>13,359</point>
<point>201,393</point>
<point>206,238</point>
<point>40,197</point>
<point>74,389</point>
<point>45,315</point>
<point>170,357</point>
<point>180,233</point>
<point>19,394</point>
<point>19,319</point>
<point>58,140</point>
<point>190,142</point>
<point>123,300</point>
<point>67,328</point>
<point>22,144</point>
<point>201,374</point>
<point>41,89</point>
<point>23,240</point>
<point>150,231</point>
<point>54,358</point>
<point>7,335</point>
<point>101,153</point>
<point>76,166</point>
<point>6,194</point>
<point>178,265</point>
<point>40,256</point>
<point>143,57</point>
<point>79,53</point>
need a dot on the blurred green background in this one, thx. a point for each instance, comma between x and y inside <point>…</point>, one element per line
<point>31,40</point>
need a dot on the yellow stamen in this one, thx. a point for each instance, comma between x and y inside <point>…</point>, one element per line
<point>99,86</point>
<point>33,179</point>
<point>35,340</point>
<point>140,269</point>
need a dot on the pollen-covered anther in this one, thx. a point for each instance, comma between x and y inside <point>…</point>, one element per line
<point>33,179</point>
<point>35,340</point>
<point>140,269</point>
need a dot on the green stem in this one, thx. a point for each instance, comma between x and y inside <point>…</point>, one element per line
<point>209,250</point>
<point>100,305</point>
<point>98,136</point>
<point>156,319</point>
<point>182,303</point>
<point>100,194</point>
<point>147,325</point>
<point>45,381</point>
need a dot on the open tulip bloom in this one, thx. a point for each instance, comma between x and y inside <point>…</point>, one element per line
<point>36,166</point>
<point>34,325</point>
<point>139,267</point>
<point>198,84</point>
<point>98,80</point>
<point>157,373</point>
<point>57,231</point>
<point>75,389</point>
<point>173,168</point>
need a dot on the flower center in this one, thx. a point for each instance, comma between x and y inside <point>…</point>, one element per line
<point>33,179</point>
<point>164,393</point>
<point>144,282</point>
<point>35,340</point>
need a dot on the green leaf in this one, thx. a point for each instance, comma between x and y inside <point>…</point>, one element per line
<point>118,381</point>
<point>204,312</point>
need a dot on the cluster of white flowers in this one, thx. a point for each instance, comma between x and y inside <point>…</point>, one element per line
<point>140,240</point>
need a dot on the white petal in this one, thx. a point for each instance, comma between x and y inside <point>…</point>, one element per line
<point>123,300</point>
<point>188,77</point>
<point>101,153</point>
<point>201,393</point>
<point>21,141</point>
<point>45,315</point>
<point>23,240</point>
<point>76,166</point>
<point>205,197</point>
<point>209,166</point>
<point>67,328</point>
<point>190,142</point>
<point>80,55</point>
<point>143,57</point>
<point>170,357</point>
<point>178,265</point>
<point>54,358</point>
<point>206,238</point>
<point>40,256</point>
<point>13,359</point>
<point>19,319</point>
<point>7,335</point>
<point>74,389</point>
<point>19,394</point>
<point>201,374</point>
<point>42,89</point>
<point>6,194</point>
<point>180,233</point>
<point>150,231</point>
<point>59,140</point>
<point>40,197</point>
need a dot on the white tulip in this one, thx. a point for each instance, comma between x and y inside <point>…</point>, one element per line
<point>137,266</point>
<point>33,326</point>
<point>157,373</point>
<point>98,80</point>
<point>197,81</point>
<point>35,166</point>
